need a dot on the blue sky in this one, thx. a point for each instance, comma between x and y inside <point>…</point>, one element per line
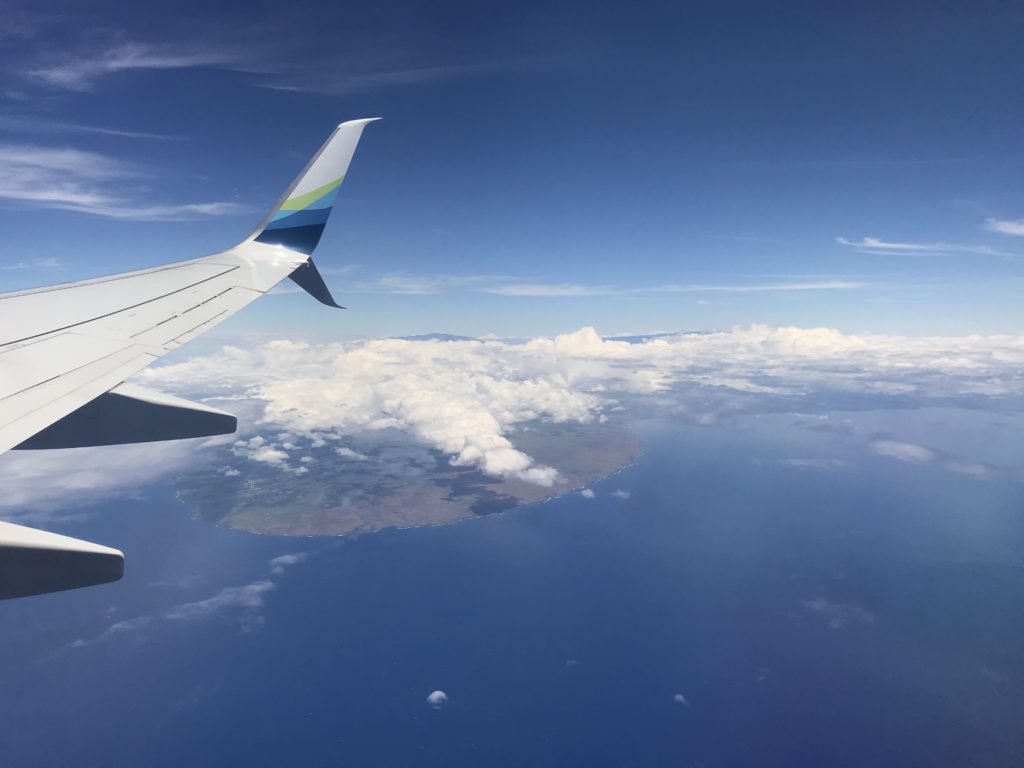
<point>636,167</point>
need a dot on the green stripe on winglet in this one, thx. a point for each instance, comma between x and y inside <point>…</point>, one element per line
<point>302,201</point>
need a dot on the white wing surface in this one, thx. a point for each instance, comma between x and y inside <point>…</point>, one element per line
<point>66,350</point>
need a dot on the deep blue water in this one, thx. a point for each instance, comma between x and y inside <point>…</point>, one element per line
<point>868,614</point>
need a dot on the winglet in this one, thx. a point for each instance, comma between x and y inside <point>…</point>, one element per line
<point>298,219</point>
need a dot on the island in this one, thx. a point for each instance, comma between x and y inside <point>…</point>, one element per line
<point>391,482</point>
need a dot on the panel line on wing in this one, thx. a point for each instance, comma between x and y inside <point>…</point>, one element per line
<point>123,309</point>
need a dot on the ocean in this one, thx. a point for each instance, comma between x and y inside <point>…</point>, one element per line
<point>770,591</point>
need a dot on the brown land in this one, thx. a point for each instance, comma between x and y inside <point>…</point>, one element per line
<point>338,497</point>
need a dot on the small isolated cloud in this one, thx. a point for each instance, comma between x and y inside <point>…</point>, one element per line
<point>437,699</point>
<point>979,471</point>
<point>260,450</point>
<point>680,699</point>
<point>814,463</point>
<point>838,615</point>
<point>621,494</point>
<point>587,493</point>
<point>1006,226</point>
<point>915,454</point>
<point>348,453</point>
<point>279,563</point>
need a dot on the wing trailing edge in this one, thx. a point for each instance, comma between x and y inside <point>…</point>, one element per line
<point>34,562</point>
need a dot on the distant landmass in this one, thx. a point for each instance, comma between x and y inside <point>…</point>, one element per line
<point>390,482</point>
<point>436,337</point>
<point>629,339</point>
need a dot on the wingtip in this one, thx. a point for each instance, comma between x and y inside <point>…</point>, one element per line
<point>361,121</point>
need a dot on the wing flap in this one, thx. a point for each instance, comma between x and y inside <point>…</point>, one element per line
<point>132,414</point>
<point>32,410</point>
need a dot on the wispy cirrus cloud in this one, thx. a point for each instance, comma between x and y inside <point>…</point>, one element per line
<point>338,80</point>
<point>1006,226</point>
<point>503,286</point>
<point>877,246</point>
<point>41,263</point>
<point>242,606</point>
<point>80,72</point>
<point>71,179</point>
<point>818,285</point>
<point>34,125</point>
<point>552,290</point>
<point>425,284</point>
<point>268,58</point>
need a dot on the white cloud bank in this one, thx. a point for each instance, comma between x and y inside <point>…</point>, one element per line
<point>468,398</point>
<point>465,398</point>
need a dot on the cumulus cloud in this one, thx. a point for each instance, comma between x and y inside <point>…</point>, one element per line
<point>680,699</point>
<point>587,493</point>
<point>471,400</point>
<point>348,453</point>
<point>621,495</point>
<point>258,449</point>
<point>437,699</point>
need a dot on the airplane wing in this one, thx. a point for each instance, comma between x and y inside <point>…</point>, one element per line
<point>66,351</point>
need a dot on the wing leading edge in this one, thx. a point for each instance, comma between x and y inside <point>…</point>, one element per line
<point>66,350</point>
